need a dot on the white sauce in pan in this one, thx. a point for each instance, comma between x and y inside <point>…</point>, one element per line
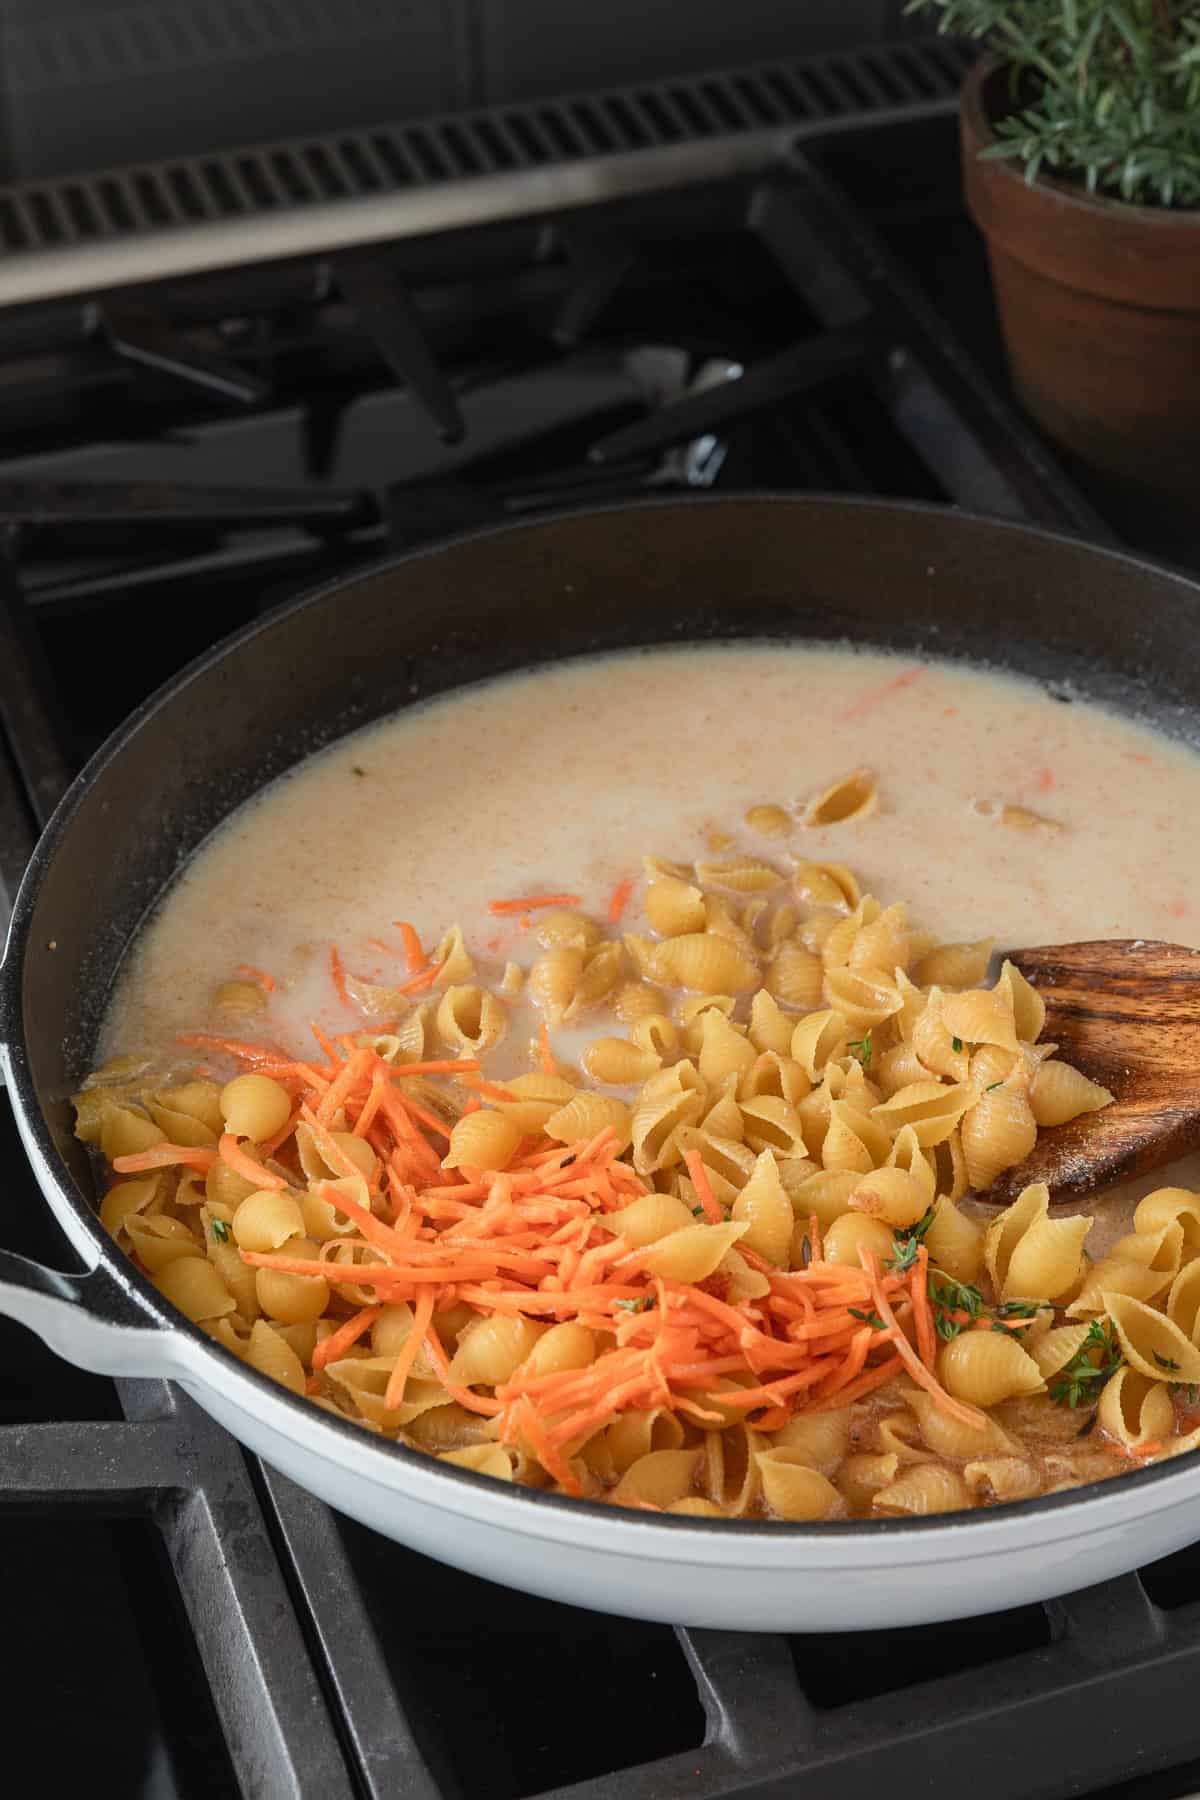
<point>562,779</point>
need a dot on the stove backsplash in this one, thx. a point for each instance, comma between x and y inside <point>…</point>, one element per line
<point>86,84</point>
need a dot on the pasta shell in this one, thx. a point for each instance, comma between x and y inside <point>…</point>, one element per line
<point>840,938</point>
<point>554,981</point>
<point>674,907</point>
<point>272,1355</point>
<point>865,1002</point>
<point>954,1242</point>
<point>1151,1343</point>
<point>566,930</point>
<point>124,1200</point>
<point>863,1475</point>
<point>657,1033</point>
<point>998,1479</point>
<point>375,1002</point>
<point>772,1124</point>
<point>483,1140</point>
<point>1030,1255</point>
<point>826,885</point>
<point>882,946</point>
<point>931,1108</point>
<point>602,969</point>
<point>743,874</point>
<point>765,1209</point>
<point>793,1489</point>
<point>770,1027</point>
<point>470,1020</point>
<point>771,1073</point>
<point>955,965</point>
<point>240,1000</point>
<point>819,1439</point>
<point>636,1000</point>
<point>159,1241</point>
<point>933,1042</point>
<point>493,1348</point>
<point>640,1432</point>
<point>180,1125</point>
<point>795,976</point>
<point>705,962</point>
<point>535,1098</point>
<point>584,1117</point>
<point>772,821</point>
<point>906,1153</point>
<point>193,1285</point>
<point>644,1221</point>
<point>949,1436</point>
<point>891,1195</point>
<point>818,1040</point>
<point>454,962</point>
<point>923,1488</point>
<point>1058,1093</point>
<point>855,796</point>
<point>670,1099</point>
<point>731,1473</point>
<point>984,1367</point>
<point>898,1068</point>
<point>1026,1005</point>
<point>723,1048</point>
<point>854,1140</point>
<point>483,1459</point>
<point>693,1253</point>
<point>998,1132</point>
<point>980,1016</point>
<point>852,1232</point>
<point>1183,1302</point>
<point>615,1062</point>
<point>1143,1264</point>
<point>566,1346</point>
<point>1169,1206</point>
<point>1135,1410</point>
<point>725,1158</point>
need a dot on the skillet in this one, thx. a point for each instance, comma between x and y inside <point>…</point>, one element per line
<point>1087,623</point>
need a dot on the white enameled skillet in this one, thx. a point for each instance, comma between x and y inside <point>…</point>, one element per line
<point>1089,623</point>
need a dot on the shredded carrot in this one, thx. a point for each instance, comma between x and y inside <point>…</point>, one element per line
<point>162,1156</point>
<point>528,902</point>
<point>955,1409</point>
<point>703,1187</point>
<point>424,979</point>
<point>331,1348</point>
<point>266,982</point>
<point>232,1154</point>
<point>402,1367</point>
<point>619,900</point>
<point>416,956</point>
<point>339,976</point>
<point>529,1242</point>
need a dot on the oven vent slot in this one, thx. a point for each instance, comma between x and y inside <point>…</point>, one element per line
<point>479,162</point>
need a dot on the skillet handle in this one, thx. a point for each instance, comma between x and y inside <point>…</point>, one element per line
<point>92,1319</point>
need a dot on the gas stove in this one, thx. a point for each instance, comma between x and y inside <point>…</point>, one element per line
<point>227,379</point>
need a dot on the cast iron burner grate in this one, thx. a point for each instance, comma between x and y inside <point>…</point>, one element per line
<point>250,1641</point>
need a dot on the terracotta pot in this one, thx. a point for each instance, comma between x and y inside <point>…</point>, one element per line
<point>1099,302</point>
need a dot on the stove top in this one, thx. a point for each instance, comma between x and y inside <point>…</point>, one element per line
<point>803,308</point>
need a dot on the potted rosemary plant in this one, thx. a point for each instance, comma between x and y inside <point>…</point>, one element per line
<point>1081,159</point>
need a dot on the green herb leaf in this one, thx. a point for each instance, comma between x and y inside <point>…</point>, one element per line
<point>871,1318</point>
<point>356,770</point>
<point>907,1241</point>
<point>1098,1358</point>
<point>992,1086</point>
<point>956,1044</point>
<point>949,1298</point>
<point>861,1047</point>
<point>1166,1362</point>
<point>1189,1390</point>
<point>220,1230</point>
<point>644,1304</point>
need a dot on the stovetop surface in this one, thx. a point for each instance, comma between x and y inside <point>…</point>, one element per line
<point>569,336</point>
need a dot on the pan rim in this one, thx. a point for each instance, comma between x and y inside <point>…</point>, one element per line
<point>1102,1496</point>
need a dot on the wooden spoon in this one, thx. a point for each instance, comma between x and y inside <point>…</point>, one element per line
<point>1127,1013</point>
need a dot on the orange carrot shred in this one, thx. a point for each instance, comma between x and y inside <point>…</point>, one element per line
<point>703,1187</point>
<point>528,902</point>
<point>402,1367</point>
<point>162,1156</point>
<point>331,1348</point>
<point>424,979</point>
<point>339,976</point>
<point>232,1154</point>
<point>266,982</point>
<point>549,1066</point>
<point>413,951</point>
<point>954,1409</point>
<point>620,900</point>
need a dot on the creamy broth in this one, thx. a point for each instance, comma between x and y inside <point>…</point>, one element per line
<point>561,780</point>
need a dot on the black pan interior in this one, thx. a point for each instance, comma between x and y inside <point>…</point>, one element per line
<point>1084,622</point>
